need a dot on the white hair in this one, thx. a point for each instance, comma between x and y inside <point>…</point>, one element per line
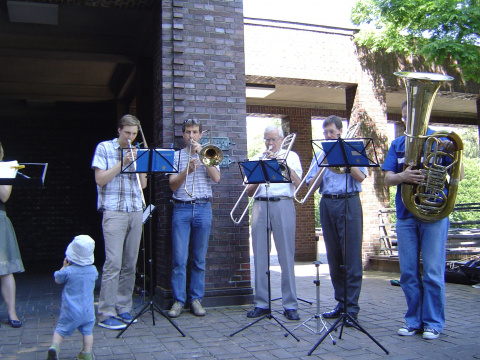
<point>274,127</point>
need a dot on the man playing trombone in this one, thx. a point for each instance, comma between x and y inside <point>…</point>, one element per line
<point>332,216</point>
<point>192,219</point>
<point>120,199</point>
<point>282,222</point>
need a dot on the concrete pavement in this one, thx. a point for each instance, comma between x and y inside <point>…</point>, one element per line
<point>382,309</point>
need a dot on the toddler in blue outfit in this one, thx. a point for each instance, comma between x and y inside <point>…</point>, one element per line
<point>77,310</point>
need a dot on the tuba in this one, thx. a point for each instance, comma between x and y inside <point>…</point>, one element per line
<point>434,198</point>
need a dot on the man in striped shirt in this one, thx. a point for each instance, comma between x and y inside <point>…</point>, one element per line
<point>191,221</point>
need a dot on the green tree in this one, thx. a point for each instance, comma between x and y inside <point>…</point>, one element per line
<point>442,31</point>
<point>470,143</point>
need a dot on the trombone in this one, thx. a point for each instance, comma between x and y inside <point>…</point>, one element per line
<point>350,134</point>
<point>209,155</point>
<point>287,144</point>
<point>130,149</point>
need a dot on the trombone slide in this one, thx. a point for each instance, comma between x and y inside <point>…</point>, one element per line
<point>287,144</point>
<point>137,175</point>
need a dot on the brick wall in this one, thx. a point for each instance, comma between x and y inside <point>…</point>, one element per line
<point>64,136</point>
<point>199,67</point>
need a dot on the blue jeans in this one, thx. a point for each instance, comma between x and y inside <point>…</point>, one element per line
<point>425,296</point>
<point>191,225</point>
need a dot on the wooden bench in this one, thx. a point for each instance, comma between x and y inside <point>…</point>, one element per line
<point>464,236</point>
<point>463,240</point>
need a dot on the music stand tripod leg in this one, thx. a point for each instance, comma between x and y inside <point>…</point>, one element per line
<point>321,324</point>
<point>345,315</point>
<point>151,306</point>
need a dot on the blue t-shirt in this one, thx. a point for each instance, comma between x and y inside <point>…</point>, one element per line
<point>395,162</point>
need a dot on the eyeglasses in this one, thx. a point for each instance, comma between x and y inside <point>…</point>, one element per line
<point>271,139</point>
<point>191,121</point>
<point>330,132</point>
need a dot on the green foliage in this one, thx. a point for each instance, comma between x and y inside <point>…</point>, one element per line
<point>468,190</point>
<point>470,143</point>
<point>439,30</point>
<point>317,209</point>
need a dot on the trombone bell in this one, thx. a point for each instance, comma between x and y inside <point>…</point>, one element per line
<point>211,155</point>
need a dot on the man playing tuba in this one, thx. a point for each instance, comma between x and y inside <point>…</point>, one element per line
<point>425,297</point>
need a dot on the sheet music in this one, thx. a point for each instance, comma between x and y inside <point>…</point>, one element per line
<point>147,213</point>
<point>8,169</point>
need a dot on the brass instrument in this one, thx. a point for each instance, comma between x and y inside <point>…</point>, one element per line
<point>187,173</point>
<point>287,144</point>
<point>428,201</point>
<point>350,134</point>
<point>136,174</point>
<point>145,145</point>
<point>209,155</point>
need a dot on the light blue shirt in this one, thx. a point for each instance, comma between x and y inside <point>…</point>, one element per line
<point>333,183</point>
<point>77,295</point>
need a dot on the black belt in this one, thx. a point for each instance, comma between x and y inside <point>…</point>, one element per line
<point>273,198</point>
<point>196,201</point>
<point>339,196</point>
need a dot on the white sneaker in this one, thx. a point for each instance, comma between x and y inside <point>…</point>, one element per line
<point>176,310</point>
<point>430,334</point>
<point>197,308</point>
<point>407,331</point>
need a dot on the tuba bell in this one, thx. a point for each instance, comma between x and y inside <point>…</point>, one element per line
<point>434,198</point>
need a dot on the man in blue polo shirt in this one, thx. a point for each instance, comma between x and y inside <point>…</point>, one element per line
<point>425,296</point>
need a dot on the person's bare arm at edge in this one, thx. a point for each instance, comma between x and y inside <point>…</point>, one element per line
<point>5,191</point>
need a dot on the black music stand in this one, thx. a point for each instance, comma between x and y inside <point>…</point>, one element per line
<point>266,172</point>
<point>348,154</point>
<point>31,174</point>
<point>151,161</point>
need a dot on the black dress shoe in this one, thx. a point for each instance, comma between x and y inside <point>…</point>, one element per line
<point>257,312</point>
<point>291,314</point>
<point>335,313</point>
